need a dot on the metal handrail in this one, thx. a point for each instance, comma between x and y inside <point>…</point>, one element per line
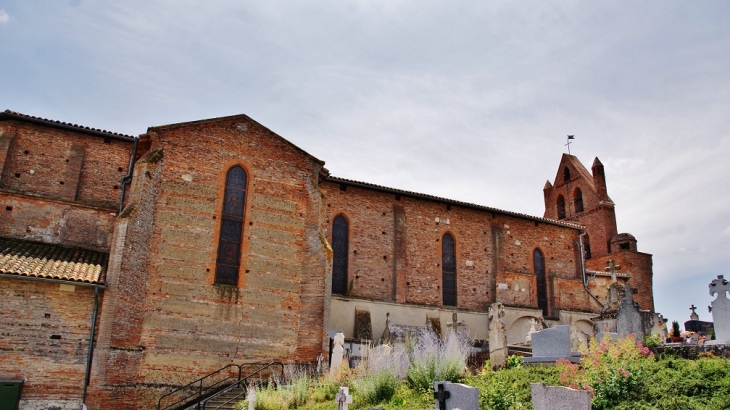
<point>203,393</point>
<point>200,387</point>
<point>239,383</point>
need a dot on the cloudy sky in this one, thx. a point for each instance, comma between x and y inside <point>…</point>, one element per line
<point>470,100</point>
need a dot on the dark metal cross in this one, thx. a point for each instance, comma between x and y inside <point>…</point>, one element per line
<point>441,396</point>
<point>693,308</point>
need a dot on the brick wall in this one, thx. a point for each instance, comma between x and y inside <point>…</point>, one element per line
<point>44,337</point>
<point>63,164</point>
<point>490,248</point>
<point>184,326</point>
<point>639,266</point>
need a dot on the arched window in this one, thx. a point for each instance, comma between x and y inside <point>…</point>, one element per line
<point>448,270</point>
<point>229,241</point>
<point>566,174</point>
<point>587,247</point>
<point>561,207</point>
<point>578,200</point>
<point>340,240</point>
<point>538,262</point>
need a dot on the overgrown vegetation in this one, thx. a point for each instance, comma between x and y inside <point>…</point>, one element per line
<point>620,374</point>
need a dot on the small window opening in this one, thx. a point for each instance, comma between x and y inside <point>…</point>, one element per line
<point>8,208</point>
<point>578,200</point>
<point>56,337</point>
<point>561,207</point>
<point>625,246</point>
<point>566,174</point>
<point>397,197</point>
<point>343,187</point>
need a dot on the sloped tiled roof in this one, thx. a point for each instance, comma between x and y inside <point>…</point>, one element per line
<point>12,115</point>
<point>46,261</point>
<point>428,197</point>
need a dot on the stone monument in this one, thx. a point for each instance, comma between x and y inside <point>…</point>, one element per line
<point>550,345</point>
<point>720,309</point>
<point>338,351</point>
<point>497,337</point>
<point>452,396</point>
<point>557,397</point>
<point>343,398</point>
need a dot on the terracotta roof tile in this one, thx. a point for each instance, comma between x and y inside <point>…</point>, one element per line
<point>428,197</point>
<point>51,261</point>
<point>8,114</point>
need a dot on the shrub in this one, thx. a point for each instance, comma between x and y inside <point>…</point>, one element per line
<point>612,371</point>
<point>381,380</point>
<point>431,360</point>
<point>510,388</point>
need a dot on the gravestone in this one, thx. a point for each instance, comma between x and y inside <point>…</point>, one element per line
<point>343,398</point>
<point>557,397</point>
<point>693,315</point>
<point>535,326</point>
<point>550,345</point>
<point>456,325</point>
<point>497,337</point>
<point>720,309</point>
<point>451,396</point>
<point>251,397</point>
<point>338,351</point>
<point>629,319</point>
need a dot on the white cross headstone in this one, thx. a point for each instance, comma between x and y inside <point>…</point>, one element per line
<point>721,309</point>
<point>343,398</point>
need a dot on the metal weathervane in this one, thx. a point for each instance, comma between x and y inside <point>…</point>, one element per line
<point>570,137</point>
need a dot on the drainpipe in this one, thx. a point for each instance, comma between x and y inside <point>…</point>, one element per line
<point>583,268</point>
<point>91,345</point>
<point>128,178</point>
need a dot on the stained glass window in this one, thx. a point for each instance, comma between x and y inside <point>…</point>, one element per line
<point>340,239</point>
<point>231,229</point>
<point>448,273</point>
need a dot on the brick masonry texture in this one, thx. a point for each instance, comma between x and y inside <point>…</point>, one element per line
<point>164,322</point>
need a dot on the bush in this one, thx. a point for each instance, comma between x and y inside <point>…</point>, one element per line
<point>510,388</point>
<point>431,360</point>
<point>612,371</point>
<point>381,378</point>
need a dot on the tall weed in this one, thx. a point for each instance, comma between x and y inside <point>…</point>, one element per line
<point>430,360</point>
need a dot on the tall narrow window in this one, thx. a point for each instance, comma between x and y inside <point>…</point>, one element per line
<point>587,247</point>
<point>538,262</point>
<point>566,174</point>
<point>340,239</point>
<point>561,207</point>
<point>448,272</point>
<point>229,241</point>
<point>578,200</point>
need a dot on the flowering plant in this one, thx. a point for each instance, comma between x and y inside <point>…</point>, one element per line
<point>610,370</point>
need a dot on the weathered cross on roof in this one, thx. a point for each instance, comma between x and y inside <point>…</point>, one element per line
<point>612,267</point>
<point>693,308</point>
<point>441,395</point>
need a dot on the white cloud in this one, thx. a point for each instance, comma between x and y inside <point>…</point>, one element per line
<point>4,17</point>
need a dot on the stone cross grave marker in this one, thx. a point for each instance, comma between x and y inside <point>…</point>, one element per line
<point>451,396</point>
<point>612,267</point>
<point>337,352</point>
<point>455,324</point>
<point>720,309</point>
<point>343,398</point>
<point>693,315</point>
<point>534,325</point>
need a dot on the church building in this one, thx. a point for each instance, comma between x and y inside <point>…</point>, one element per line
<point>131,265</point>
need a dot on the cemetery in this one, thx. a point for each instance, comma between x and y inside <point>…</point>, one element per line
<point>617,368</point>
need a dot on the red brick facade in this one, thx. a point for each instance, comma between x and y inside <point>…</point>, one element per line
<point>165,322</point>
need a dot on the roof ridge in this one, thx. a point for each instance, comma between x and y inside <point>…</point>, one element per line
<point>453,201</point>
<point>82,128</point>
